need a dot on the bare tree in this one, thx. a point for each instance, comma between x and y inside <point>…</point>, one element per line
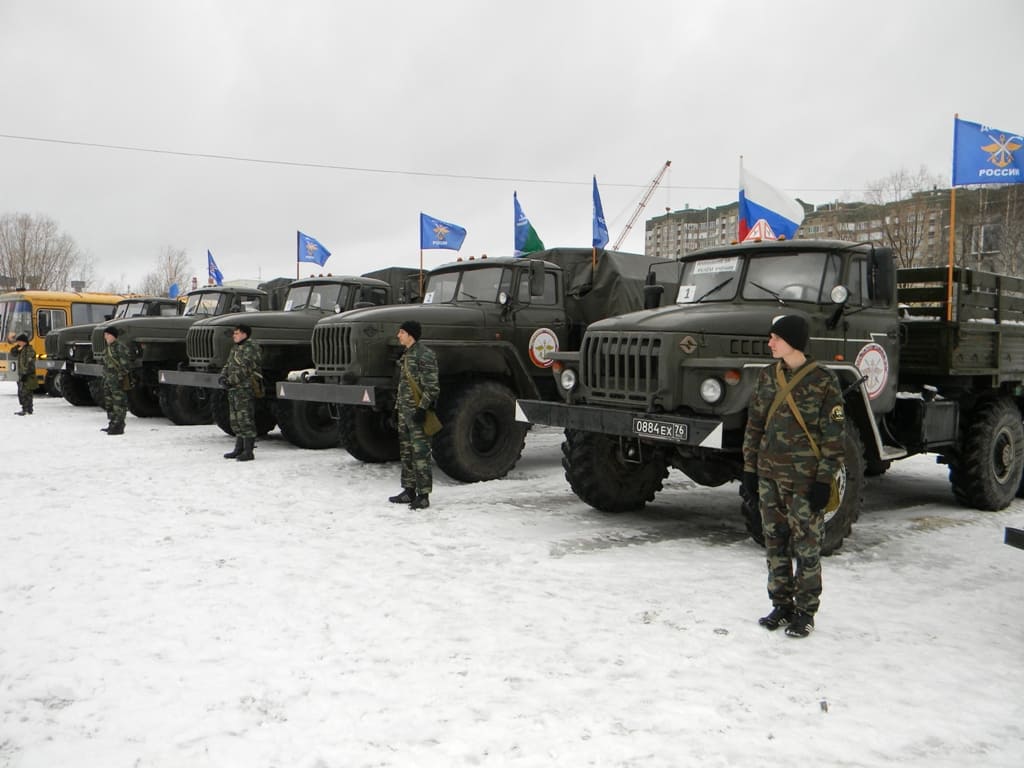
<point>905,198</point>
<point>171,267</point>
<point>35,254</point>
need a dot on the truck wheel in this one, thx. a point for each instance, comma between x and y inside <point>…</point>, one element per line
<point>599,474</point>
<point>839,523</point>
<point>222,413</point>
<point>75,389</point>
<point>95,384</point>
<point>144,401</point>
<point>51,384</point>
<point>185,406</point>
<point>307,424</point>
<point>987,472</point>
<point>367,434</point>
<point>481,439</point>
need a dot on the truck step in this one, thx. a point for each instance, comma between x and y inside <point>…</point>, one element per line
<point>892,453</point>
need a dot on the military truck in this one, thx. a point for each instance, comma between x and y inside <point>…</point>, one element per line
<point>157,343</point>
<point>284,339</point>
<point>669,386</point>
<point>74,343</point>
<point>493,323</point>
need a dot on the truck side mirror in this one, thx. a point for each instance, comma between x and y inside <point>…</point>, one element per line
<point>652,296</point>
<point>536,278</point>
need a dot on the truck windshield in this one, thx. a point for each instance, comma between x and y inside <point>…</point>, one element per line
<point>709,280</point>
<point>327,296</point>
<point>791,277</point>
<point>466,285</point>
<point>202,304</point>
<point>131,309</point>
<point>16,318</point>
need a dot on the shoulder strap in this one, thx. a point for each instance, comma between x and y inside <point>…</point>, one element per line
<point>786,387</point>
<point>412,382</point>
<point>800,420</point>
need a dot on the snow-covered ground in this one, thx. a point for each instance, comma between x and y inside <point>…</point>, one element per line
<point>160,606</point>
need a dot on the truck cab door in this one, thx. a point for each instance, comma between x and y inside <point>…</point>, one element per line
<point>872,334</point>
<point>539,321</point>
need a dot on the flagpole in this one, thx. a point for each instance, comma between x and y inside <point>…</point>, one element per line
<point>421,274</point>
<point>952,233</point>
<point>297,243</point>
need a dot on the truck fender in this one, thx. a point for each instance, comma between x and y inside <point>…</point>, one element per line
<point>498,360</point>
<point>858,409</point>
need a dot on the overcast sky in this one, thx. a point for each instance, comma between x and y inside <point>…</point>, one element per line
<point>355,117</point>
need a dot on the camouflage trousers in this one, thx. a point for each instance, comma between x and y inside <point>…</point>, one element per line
<point>115,401</point>
<point>792,539</point>
<point>25,395</point>
<point>414,450</point>
<point>242,411</point>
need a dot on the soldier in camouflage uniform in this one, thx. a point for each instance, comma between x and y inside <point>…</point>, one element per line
<point>117,369</point>
<point>27,381</point>
<point>240,375</point>
<point>418,370</point>
<point>781,470</point>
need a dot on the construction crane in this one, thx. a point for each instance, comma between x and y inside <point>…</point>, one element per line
<point>643,203</point>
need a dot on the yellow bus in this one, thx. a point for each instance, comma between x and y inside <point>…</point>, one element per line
<point>36,313</point>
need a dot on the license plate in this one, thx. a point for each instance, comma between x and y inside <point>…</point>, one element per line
<point>660,430</point>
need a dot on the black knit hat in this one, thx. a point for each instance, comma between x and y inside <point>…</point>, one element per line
<point>22,337</point>
<point>793,330</point>
<point>247,330</point>
<point>112,330</point>
<point>413,328</point>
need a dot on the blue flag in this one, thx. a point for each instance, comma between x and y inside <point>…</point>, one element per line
<point>174,291</point>
<point>986,155</point>
<point>526,238</point>
<point>435,233</point>
<point>600,227</point>
<point>310,249</point>
<point>214,270</point>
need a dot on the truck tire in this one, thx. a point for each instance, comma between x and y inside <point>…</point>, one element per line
<point>987,472</point>
<point>75,389</point>
<point>481,439</point>
<point>96,390</point>
<point>185,406</point>
<point>839,523</point>
<point>222,415</point>
<point>307,424</point>
<point>367,434</point>
<point>144,401</point>
<point>600,476</point>
<point>51,385</point>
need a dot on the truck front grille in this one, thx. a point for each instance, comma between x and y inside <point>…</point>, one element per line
<point>620,366</point>
<point>332,346</point>
<point>199,345</point>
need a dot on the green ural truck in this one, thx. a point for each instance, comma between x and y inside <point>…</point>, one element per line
<point>669,386</point>
<point>492,322</point>
<point>66,346</point>
<point>157,343</point>
<point>284,340</point>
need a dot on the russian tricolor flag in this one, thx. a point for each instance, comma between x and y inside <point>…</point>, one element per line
<point>765,211</point>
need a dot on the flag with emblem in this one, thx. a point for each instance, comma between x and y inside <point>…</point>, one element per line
<point>437,234</point>
<point>216,278</point>
<point>526,238</point>
<point>986,155</point>
<point>310,249</point>
<point>600,225</point>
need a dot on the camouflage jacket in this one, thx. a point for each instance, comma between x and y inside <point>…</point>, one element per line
<point>26,358</point>
<point>245,361</point>
<point>117,362</point>
<point>420,363</point>
<point>780,450</point>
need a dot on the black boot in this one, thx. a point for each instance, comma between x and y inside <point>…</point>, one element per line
<point>422,501</point>
<point>781,614</point>
<point>238,449</point>
<point>405,497</point>
<point>248,443</point>
<point>116,429</point>
<point>801,625</point>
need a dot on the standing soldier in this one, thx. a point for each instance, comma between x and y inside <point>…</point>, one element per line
<point>792,449</point>
<point>241,376</point>
<point>418,389</point>
<point>117,370</point>
<point>27,382</point>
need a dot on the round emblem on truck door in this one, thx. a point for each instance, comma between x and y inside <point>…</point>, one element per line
<point>543,342</point>
<point>873,363</point>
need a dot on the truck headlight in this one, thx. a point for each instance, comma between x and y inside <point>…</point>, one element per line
<point>567,379</point>
<point>711,390</point>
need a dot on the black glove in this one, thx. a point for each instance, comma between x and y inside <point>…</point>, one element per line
<point>223,381</point>
<point>818,495</point>
<point>420,415</point>
<point>750,484</point>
